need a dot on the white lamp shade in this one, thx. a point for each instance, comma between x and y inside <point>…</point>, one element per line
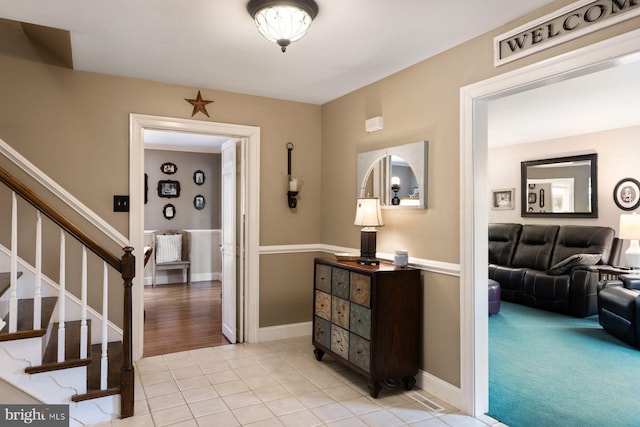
<point>368,213</point>
<point>395,180</point>
<point>629,227</point>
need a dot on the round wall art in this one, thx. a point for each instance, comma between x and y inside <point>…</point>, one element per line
<point>626,194</point>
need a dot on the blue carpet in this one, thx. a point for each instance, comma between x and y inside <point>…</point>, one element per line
<point>548,369</point>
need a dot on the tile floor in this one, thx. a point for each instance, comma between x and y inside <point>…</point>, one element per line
<point>276,383</point>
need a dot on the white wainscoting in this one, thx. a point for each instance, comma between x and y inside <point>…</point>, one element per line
<point>206,261</point>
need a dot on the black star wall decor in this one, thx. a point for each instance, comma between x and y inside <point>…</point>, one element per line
<point>199,104</point>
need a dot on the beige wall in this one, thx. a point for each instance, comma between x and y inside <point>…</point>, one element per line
<point>420,102</point>
<point>75,127</point>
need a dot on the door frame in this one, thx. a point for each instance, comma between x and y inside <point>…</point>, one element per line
<point>474,324</point>
<point>250,193</point>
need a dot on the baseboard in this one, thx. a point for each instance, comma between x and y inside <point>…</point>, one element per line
<point>163,279</point>
<point>280,332</point>
<point>437,387</point>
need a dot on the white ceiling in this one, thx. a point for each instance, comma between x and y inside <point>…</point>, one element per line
<point>214,44</point>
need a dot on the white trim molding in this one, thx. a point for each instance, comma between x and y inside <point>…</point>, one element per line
<point>54,188</point>
<point>429,265</point>
<point>280,332</point>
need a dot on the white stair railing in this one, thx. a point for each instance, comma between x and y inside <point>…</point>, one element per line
<point>37,295</point>
<point>104,360</point>
<point>13,295</point>
<point>83,322</point>
<point>61,300</point>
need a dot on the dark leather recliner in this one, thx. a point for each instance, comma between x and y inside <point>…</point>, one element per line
<point>619,309</point>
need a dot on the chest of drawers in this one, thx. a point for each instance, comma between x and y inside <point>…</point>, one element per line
<point>368,318</point>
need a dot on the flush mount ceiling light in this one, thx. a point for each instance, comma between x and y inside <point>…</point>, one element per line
<point>283,21</point>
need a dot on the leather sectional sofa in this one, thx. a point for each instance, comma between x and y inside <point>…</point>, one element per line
<point>550,266</point>
<point>619,308</point>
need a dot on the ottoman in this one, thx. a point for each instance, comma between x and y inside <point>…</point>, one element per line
<point>494,297</point>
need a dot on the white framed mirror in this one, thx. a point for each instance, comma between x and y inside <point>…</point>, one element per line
<point>397,175</point>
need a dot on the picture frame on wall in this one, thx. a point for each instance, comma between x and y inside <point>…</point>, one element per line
<point>626,194</point>
<point>198,202</point>
<point>198,177</point>
<point>169,211</point>
<point>168,168</point>
<point>168,188</point>
<point>503,199</point>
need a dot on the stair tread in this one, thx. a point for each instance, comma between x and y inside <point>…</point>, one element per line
<point>25,319</point>
<point>5,281</point>
<point>72,349</point>
<point>114,354</point>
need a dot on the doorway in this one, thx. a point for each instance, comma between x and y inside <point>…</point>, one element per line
<point>249,194</point>
<point>473,187</point>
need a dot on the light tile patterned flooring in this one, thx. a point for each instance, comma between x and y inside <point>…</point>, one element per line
<point>277,383</point>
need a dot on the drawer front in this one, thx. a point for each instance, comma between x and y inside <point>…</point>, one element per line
<point>323,278</point>
<point>359,352</point>
<point>323,305</point>
<point>360,320</point>
<point>322,331</point>
<point>340,282</point>
<point>340,341</point>
<point>340,312</point>
<point>361,289</point>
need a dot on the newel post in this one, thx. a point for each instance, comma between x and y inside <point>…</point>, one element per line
<point>127,385</point>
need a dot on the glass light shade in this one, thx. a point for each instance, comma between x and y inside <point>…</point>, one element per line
<point>282,24</point>
<point>629,226</point>
<point>395,181</point>
<point>368,213</point>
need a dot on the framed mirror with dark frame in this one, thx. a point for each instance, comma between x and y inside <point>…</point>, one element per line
<point>560,187</point>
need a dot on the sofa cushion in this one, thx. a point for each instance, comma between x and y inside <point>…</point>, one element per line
<point>578,260</point>
<point>502,243</point>
<point>535,246</point>
<point>547,292</point>
<point>583,239</point>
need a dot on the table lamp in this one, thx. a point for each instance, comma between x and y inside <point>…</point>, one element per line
<point>368,216</point>
<point>630,230</point>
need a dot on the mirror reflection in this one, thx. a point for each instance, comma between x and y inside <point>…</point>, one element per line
<point>397,175</point>
<point>564,186</point>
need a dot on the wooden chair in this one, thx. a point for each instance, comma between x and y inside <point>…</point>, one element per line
<point>172,250</point>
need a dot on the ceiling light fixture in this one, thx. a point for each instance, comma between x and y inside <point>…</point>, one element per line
<point>283,21</point>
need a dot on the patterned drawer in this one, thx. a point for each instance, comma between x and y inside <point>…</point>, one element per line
<point>340,312</point>
<point>340,282</point>
<point>359,352</point>
<point>323,305</point>
<point>322,332</point>
<point>361,289</point>
<point>340,341</point>
<point>323,278</point>
<point>360,320</point>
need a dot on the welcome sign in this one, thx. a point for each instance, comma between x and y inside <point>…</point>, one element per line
<point>577,19</point>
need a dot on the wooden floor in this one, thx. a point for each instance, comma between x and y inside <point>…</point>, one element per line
<point>180,317</point>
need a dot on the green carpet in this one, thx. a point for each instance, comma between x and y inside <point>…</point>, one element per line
<point>548,369</point>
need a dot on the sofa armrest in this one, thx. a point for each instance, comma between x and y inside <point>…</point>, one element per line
<point>583,292</point>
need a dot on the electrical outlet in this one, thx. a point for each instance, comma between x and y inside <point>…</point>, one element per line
<point>121,203</point>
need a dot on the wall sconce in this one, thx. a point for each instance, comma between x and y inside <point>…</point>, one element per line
<point>369,216</point>
<point>395,186</point>
<point>630,230</point>
<point>292,193</point>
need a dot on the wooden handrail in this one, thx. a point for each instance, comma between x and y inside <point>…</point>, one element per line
<point>55,216</point>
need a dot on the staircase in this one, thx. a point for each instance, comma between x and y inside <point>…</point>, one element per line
<point>53,345</point>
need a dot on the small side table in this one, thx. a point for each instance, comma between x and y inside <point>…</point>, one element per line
<point>609,272</point>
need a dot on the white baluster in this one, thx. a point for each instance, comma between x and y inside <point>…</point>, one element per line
<point>104,361</point>
<point>37,296</point>
<point>13,295</point>
<point>61,300</point>
<point>83,322</point>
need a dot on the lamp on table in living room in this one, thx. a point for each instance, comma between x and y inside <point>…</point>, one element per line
<point>368,216</point>
<point>630,230</point>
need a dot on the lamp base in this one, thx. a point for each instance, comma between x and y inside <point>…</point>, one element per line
<point>368,261</point>
<point>632,254</point>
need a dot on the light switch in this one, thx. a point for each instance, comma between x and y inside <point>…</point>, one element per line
<point>121,203</point>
